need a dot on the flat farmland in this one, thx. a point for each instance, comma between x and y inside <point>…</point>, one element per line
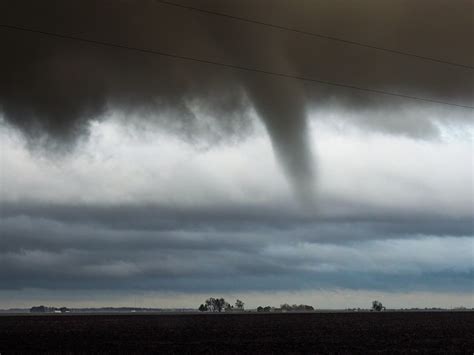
<point>389,332</point>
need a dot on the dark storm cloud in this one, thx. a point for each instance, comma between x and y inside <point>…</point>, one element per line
<point>125,248</point>
<point>170,268</point>
<point>54,87</point>
<point>151,218</point>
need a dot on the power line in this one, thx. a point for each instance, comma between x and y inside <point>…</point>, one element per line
<point>314,34</point>
<point>225,65</point>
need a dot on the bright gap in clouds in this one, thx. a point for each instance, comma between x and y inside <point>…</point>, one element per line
<point>359,173</point>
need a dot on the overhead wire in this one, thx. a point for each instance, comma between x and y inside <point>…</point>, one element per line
<point>313,34</point>
<point>226,65</point>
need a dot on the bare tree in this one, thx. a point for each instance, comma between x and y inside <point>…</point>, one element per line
<point>215,305</point>
<point>377,306</point>
<point>220,304</point>
<point>239,305</point>
<point>210,304</point>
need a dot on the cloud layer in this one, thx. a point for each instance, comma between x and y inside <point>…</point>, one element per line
<point>122,214</point>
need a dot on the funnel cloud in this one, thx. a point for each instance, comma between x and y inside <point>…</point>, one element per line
<point>52,88</point>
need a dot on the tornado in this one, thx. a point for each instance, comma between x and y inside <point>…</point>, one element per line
<point>280,104</point>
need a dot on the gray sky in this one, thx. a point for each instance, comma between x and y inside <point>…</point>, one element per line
<point>133,179</point>
<point>122,216</point>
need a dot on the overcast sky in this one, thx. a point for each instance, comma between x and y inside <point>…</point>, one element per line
<point>129,179</point>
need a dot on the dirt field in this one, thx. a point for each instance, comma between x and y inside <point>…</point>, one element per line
<point>425,332</point>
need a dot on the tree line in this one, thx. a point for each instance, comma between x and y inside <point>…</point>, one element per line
<point>221,305</point>
<point>286,308</point>
<point>44,309</point>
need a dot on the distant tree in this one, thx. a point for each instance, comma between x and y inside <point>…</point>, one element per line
<point>220,304</point>
<point>259,309</point>
<point>239,305</point>
<point>228,307</point>
<point>267,309</point>
<point>377,306</point>
<point>216,305</point>
<point>210,304</point>
<point>203,308</point>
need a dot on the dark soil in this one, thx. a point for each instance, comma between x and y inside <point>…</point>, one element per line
<point>387,332</point>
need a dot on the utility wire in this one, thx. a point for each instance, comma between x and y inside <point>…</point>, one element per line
<point>225,65</point>
<point>313,34</point>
